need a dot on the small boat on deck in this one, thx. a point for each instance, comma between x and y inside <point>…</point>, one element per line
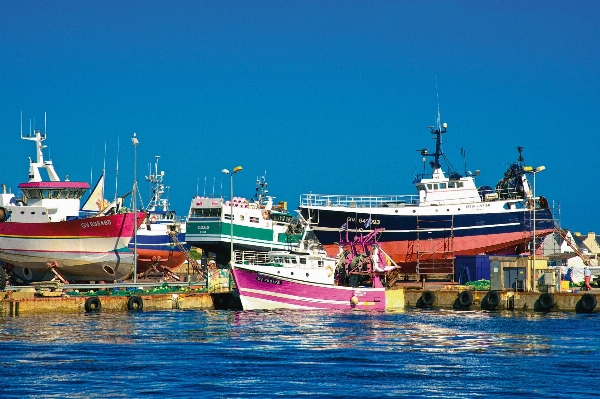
<point>161,236</point>
<point>307,278</point>
<point>42,234</point>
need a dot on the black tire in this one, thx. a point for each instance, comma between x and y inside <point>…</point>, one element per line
<point>546,301</point>
<point>492,299</point>
<point>93,304</point>
<point>135,303</point>
<point>588,302</point>
<point>3,278</point>
<point>427,298</point>
<point>465,299</point>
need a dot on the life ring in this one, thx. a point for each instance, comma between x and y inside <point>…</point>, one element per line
<point>546,301</point>
<point>3,214</point>
<point>135,303</point>
<point>153,218</point>
<point>588,302</point>
<point>427,298</point>
<point>93,304</point>
<point>465,299</point>
<point>265,214</point>
<point>492,299</point>
<point>329,271</point>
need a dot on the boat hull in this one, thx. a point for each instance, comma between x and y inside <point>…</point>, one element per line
<point>156,247</point>
<point>408,239</point>
<point>87,249</point>
<point>214,235</point>
<point>259,290</point>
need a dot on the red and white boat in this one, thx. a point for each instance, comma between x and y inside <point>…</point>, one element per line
<point>43,231</point>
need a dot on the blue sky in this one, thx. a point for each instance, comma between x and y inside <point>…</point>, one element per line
<point>329,97</point>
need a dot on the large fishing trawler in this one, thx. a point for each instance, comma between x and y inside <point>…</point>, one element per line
<point>449,216</point>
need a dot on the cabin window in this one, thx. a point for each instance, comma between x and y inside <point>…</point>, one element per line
<point>45,194</point>
<point>459,184</point>
<point>435,186</point>
<point>320,263</point>
<point>420,187</point>
<point>294,261</point>
<point>451,184</point>
<point>442,186</point>
<point>430,186</point>
<point>206,212</point>
<point>303,261</point>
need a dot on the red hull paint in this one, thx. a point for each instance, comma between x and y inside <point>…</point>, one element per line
<point>168,259</point>
<point>404,253</point>
<point>119,225</point>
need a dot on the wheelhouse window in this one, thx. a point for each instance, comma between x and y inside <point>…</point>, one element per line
<point>206,212</point>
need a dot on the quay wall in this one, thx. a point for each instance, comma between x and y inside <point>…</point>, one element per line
<point>580,302</point>
<point>13,303</point>
<point>22,303</point>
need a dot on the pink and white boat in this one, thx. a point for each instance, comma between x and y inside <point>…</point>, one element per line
<point>43,231</point>
<point>307,278</point>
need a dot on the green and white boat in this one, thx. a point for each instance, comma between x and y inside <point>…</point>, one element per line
<point>258,224</point>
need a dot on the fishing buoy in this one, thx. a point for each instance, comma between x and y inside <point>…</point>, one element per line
<point>354,300</point>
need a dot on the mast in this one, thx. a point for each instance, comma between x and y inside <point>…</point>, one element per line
<point>117,169</point>
<point>438,130</point>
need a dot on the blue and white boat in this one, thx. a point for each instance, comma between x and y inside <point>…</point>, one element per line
<point>161,236</point>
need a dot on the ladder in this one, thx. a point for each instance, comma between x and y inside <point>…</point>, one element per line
<point>575,248</point>
<point>435,256</point>
<point>195,265</point>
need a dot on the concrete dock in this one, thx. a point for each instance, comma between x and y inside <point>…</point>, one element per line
<point>29,300</point>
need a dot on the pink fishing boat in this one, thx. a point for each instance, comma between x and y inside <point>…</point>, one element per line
<point>307,278</point>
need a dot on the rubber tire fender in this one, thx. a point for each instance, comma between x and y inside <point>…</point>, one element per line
<point>465,298</point>
<point>588,302</point>
<point>93,304</point>
<point>492,299</point>
<point>428,298</point>
<point>546,301</point>
<point>135,303</point>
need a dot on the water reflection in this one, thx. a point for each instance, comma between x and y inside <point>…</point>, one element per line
<point>314,353</point>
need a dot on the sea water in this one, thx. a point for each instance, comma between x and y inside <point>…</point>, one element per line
<point>295,354</point>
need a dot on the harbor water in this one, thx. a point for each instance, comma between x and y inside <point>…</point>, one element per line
<point>292,354</point>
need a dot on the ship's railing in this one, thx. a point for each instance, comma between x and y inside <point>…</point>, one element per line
<point>251,257</point>
<point>358,201</point>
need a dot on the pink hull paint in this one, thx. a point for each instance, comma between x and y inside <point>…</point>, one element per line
<point>263,291</point>
<point>119,225</point>
<point>405,252</point>
<point>93,249</point>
